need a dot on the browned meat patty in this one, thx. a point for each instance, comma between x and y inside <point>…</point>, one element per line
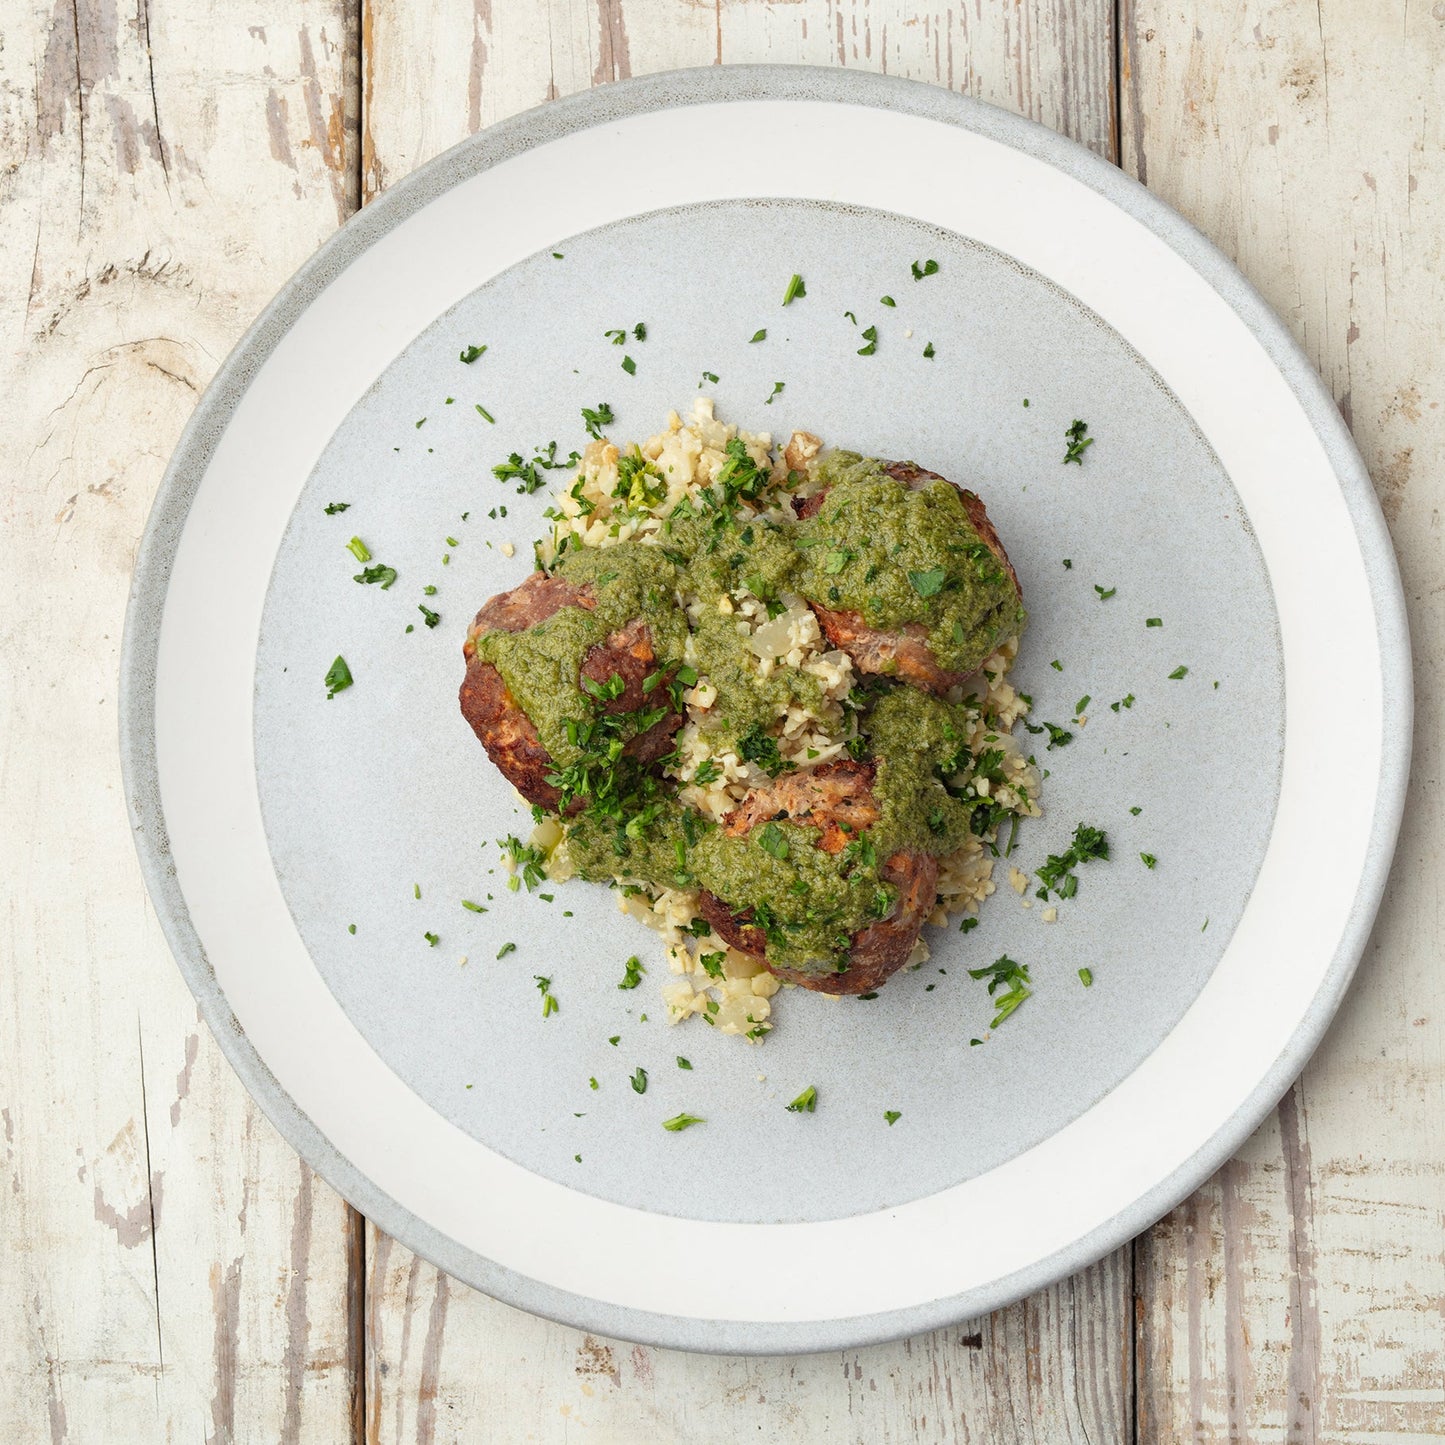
<point>903,653</point>
<point>836,798</point>
<point>505,730</point>
<point>878,951</point>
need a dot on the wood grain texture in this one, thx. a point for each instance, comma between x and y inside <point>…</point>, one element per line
<point>432,78</point>
<point>168,1268</point>
<point>446,1363</point>
<point>1301,1295</point>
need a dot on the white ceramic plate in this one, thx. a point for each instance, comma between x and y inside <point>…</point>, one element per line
<point>1223,494</point>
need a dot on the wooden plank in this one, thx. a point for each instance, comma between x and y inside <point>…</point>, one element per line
<point>431,79</point>
<point>1298,1297</point>
<point>1055,1368</point>
<point>447,1363</point>
<point>168,1268</point>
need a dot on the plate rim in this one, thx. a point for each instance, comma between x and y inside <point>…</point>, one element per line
<point>535,127</point>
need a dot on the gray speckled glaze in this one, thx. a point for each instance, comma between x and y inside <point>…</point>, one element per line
<point>1001,335</point>
<point>1150,515</point>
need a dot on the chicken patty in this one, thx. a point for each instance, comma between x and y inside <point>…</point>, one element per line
<point>837,799</point>
<point>902,652</point>
<point>501,724</point>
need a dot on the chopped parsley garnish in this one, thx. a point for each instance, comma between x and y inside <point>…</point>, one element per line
<point>795,289</point>
<point>870,335</point>
<point>893,1116</point>
<point>359,549</point>
<point>470,353</point>
<point>761,334</point>
<point>526,861</point>
<point>557,255</point>
<point>1126,701</point>
<point>679,1122</point>
<point>1082,703</point>
<point>1068,563</point>
<point>1148,860</point>
<point>1086,977</point>
<point>708,771</point>
<point>485,414</point>
<point>639,1080</point>
<point>639,332</point>
<point>1012,977</point>
<point>505,949</point>
<point>712,964</point>
<point>432,618</point>
<point>682,1063</point>
<point>806,1102</point>
<point>1058,737</point>
<point>968,925</point>
<point>634,971</point>
<point>385,575</point>
<point>1136,811</point>
<point>332,508</point>
<point>549,1004</point>
<point>1153,622</point>
<point>432,939</point>
<point>467,904</point>
<point>928,268</point>
<point>1057,871</point>
<point>593,1084</point>
<point>421,422</point>
<point>1078,442</point>
<point>595,418</point>
<point>755,746</point>
<point>776,392</point>
<point>629,366</point>
<point>887,301</point>
<point>1179,672</point>
<point>351,928</point>
<point>616,336</point>
<point>773,841</point>
<point>615,1040</point>
<point>928,351</point>
<point>929,583</point>
<point>338,678</point>
<point>711,376</point>
<point>1057,665</point>
<point>1105,593</point>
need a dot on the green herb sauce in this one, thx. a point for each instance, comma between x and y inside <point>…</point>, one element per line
<point>898,555</point>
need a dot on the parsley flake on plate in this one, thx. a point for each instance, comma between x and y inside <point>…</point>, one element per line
<point>338,678</point>
<point>806,1102</point>
<point>1078,442</point>
<point>1013,977</point>
<point>679,1122</point>
<point>795,289</point>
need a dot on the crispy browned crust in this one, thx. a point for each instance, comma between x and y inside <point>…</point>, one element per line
<point>533,601</point>
<point>878,951</point>
<point>505,730</point>
<point>507,734</point>
<point>837,798</point>
<point>904,654</point>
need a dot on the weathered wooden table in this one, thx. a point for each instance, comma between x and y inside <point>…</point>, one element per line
<point>170,1269</point>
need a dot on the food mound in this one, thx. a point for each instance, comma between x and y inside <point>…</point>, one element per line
<point>765,697</point>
